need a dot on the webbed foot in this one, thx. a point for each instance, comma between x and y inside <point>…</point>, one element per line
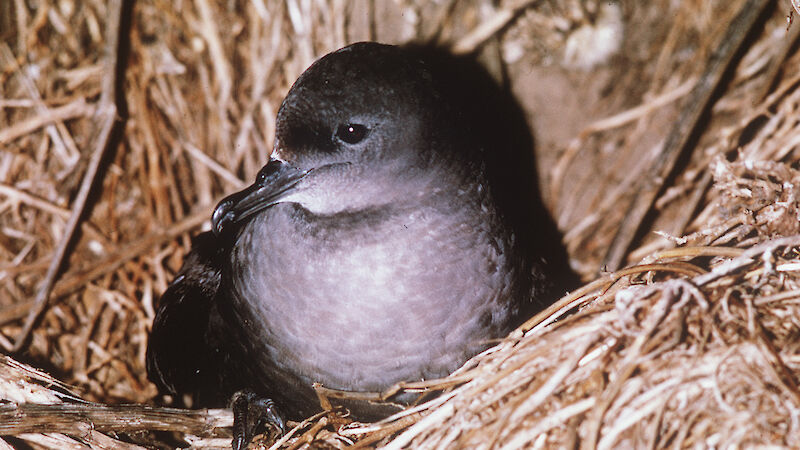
<point>251,415</point>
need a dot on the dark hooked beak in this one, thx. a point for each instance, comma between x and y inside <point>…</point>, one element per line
<point>274,182</point>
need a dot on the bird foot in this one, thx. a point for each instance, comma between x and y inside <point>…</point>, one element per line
<point>251,416</point>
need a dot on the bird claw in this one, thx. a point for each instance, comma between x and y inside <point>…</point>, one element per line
<point>251,415</point>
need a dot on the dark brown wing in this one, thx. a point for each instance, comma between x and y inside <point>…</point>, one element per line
<point>185,350</point>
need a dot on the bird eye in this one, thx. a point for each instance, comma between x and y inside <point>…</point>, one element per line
<point>351,133</point>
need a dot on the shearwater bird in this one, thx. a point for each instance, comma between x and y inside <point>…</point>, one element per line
<point>381,242</point>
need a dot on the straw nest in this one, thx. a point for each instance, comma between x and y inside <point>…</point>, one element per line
<point>681,130</point>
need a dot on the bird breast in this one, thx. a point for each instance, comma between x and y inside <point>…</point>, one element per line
<point>362,301</point>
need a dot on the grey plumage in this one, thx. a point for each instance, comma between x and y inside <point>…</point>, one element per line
<point>375,247</point>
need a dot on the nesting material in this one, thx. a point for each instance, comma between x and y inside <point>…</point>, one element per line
<point>709,360</point>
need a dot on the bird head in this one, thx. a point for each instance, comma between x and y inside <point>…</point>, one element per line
<point>363,126</point>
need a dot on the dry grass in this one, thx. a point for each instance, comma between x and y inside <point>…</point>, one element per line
<point>693,346</point>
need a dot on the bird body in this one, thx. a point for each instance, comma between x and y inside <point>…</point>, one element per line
<point>362,283</point>
<point>372,248</point>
